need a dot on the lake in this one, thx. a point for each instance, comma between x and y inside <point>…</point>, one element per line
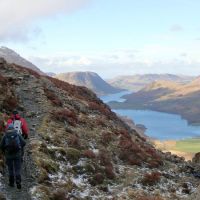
<point>115,97</point>
<point>162,126</point>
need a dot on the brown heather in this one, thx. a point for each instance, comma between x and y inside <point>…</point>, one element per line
<point>151,179</point>
<point>52,97</point>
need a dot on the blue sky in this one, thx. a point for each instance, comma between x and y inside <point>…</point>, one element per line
<point>110,37</point>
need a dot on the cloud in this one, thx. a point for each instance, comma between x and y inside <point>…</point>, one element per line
<point>119,62</point>
<point>17,17</point>
<point>176,28</point>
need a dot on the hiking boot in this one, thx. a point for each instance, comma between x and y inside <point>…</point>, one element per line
<point>11,181</point>
<point>18,182</point>
<point>19,186</point>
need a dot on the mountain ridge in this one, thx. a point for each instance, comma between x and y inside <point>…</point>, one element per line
<point>12,57</point>
<point>137,82</point>
<point>88,79</point>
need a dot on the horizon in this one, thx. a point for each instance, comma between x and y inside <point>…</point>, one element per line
<point>109,38</point>
<point>127,74</point>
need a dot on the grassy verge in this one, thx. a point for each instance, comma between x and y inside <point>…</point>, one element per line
<point>185,148</point>
<point>188,145</point>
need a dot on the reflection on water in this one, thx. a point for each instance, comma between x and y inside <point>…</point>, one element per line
<point>115,97</point>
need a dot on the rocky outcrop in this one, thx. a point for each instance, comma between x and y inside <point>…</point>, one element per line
<point>139,128</point>
<point>196,158</point>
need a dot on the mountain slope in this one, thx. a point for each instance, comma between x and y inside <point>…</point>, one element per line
<point>153,91</point>
<point>79,149</point>
<point>12,57</point>
<point>137,82</point>
<point>90,80</point>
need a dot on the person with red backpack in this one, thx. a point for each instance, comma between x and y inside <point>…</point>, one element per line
<point>11,145</point>
<point>19,124</point>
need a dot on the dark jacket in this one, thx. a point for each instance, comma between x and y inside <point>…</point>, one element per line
<point>14,155</point>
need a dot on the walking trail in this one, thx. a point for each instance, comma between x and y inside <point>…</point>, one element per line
<point>33,113</point>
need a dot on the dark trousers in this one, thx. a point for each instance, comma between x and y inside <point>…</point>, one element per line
<point>14,169</point>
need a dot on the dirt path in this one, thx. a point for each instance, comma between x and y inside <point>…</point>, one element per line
<point>28,95</point>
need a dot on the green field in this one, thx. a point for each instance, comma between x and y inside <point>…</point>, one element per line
<point>188,145</point>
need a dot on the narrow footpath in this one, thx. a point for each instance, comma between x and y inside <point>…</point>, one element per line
<point>28,94</point>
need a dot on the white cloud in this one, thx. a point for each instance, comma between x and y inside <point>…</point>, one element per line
<point>119,62</point>
<point>16,17</point>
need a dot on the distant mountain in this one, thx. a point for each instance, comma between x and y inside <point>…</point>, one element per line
<point>12,57</point>
<point>137,82</point>
<point>90,80</point>
<point>51,74</point>
<point>168,97</point>
<point>152,91</point>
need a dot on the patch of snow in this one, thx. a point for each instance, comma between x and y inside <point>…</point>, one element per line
<point>82,162</point>
<point>35,194</point>
<point>96,151</point>
<point>79,180</point>
<point>93,148</point>
<point>85,193</point>
<point>59,177</point>
<point>52,147</point>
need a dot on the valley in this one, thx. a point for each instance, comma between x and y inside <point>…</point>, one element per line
<point>168,132</point>
<point>165,96</point>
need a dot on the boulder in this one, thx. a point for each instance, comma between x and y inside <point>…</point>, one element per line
<point>196,158</point>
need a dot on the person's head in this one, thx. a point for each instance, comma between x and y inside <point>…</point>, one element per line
<point>15,115</point>
<point>15,112</point>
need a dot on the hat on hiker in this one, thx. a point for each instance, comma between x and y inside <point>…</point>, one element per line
<point>10,126</point>
<point>15,112</point>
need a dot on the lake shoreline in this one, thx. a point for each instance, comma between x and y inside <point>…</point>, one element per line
<point>193,121</point>
<point>182,146</point>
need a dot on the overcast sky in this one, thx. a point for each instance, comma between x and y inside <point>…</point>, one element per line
<point>110,37</point>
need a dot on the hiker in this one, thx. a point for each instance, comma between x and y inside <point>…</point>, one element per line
<point>11,145</point>
<point>19,124</point>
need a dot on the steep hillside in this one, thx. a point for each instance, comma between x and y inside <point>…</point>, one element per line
<point>79,149</point>
<point>12,57</point>
<point>167,97</point>
<point>90,80</point>
<point>137,82</point>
